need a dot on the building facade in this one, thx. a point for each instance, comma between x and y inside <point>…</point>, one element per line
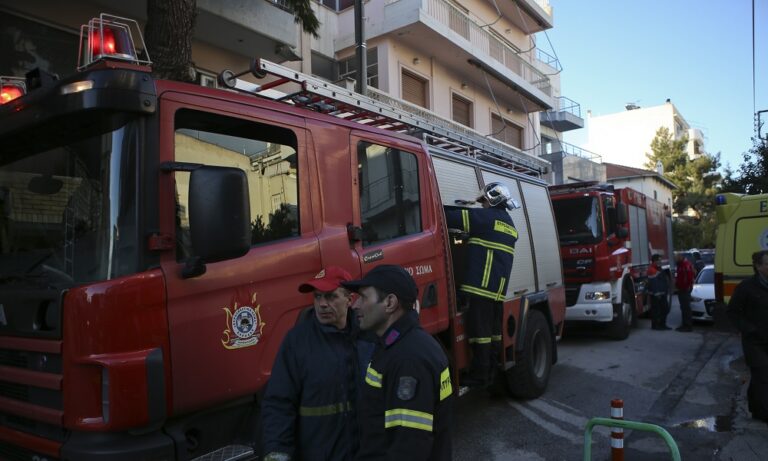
<point>625,137</point>
<point>650,183</point>
<point>473,62</point>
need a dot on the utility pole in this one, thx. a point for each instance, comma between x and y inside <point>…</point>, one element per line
<point>360,49</point>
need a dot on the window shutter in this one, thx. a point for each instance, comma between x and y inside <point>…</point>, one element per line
<point>462,110</point>
<point>414,89</point>
<point>511,134</point>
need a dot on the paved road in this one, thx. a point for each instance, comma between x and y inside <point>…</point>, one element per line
<point>692,384</point>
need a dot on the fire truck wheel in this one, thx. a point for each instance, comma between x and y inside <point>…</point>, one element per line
<point>529,377</point>
<point>623,319</point>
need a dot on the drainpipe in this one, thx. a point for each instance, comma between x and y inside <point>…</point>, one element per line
<point>360,49</point>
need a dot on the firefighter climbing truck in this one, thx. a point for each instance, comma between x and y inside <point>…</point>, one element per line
<point>153,235</point>
<point>607,237</point>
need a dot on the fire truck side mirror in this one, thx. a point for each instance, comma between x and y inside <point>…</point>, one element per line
<point>219,213</point>
<point>621,213</point>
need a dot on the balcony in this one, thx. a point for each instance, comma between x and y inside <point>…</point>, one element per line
<point>438,29</point>
<point>565,116</point>
<point>530,16</point>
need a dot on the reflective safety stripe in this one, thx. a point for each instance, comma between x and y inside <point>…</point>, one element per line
<point>408,418</point>
<point>496,338</point>
<point>326,410</point>
<point>484,340</point>
<point>487,270</point>
<point>446,388</point>
<point>500,294</point>
<point>373,377</point>
<point>492,245</point>
<point>480,292</point>
<point>501,226</point>
<point>465,219</point>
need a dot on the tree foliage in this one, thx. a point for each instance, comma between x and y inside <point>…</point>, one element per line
<point>752,175</point>
<point>170,28</point>
<point>697,179</point>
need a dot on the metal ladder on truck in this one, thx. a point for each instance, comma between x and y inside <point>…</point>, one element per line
<point>381,110</point>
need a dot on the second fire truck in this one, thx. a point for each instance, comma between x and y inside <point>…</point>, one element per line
<point>607,237</point>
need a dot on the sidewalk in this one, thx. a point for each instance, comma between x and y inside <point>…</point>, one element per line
<point>750,441</point>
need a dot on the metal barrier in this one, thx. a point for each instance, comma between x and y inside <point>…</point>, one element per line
<point>646,427</point>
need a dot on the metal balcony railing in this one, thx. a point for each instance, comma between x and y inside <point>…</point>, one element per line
<point>282,4</point>
<point>568,105</point>
<point>548,59</point>
<point>489,43</point>
<point>569,149</point>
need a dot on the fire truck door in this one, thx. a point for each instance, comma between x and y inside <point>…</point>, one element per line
<point>394,218</point>
<point>227,324</point>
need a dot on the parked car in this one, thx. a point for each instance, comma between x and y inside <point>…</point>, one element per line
<point>699,258</point>
<point>703,294</point>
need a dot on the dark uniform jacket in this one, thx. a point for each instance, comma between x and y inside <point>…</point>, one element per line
<point>492,237</point>
<point>658,282</point>
<point>308,410</point>
<point>748,310</point>
<point>405,413</point>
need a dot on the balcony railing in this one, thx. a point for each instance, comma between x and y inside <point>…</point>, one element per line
<point>568,105</point>
<point>548,59</point>
<point>491,44</point>
<point>567,149</point>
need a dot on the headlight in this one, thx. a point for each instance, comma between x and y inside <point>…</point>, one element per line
<point>597,295</point>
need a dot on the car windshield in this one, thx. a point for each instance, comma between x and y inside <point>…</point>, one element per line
<point>68,212</point>
<point>578,220</point>
<point>706,275</point>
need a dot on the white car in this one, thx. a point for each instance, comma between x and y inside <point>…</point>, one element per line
<point>703,294</point>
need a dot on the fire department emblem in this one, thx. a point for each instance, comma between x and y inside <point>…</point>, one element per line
<point>244,326</point>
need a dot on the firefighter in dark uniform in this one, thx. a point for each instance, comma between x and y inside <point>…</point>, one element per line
<point>492,237</point>
<point>405,407</point>
<point>308,411</point>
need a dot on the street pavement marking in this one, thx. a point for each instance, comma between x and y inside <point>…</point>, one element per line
<point>552,428</point>
<point>534,408</point>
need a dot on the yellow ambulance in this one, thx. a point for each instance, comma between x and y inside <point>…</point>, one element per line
<point>742,229</point>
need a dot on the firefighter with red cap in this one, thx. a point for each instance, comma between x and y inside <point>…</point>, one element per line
<point>309,410</point>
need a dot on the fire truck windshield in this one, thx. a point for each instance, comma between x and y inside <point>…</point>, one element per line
<point>579,220</point>
<point>68,213</point>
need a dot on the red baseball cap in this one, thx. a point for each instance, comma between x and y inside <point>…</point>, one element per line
<point>326,280</point>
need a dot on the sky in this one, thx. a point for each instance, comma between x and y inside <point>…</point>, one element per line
<point>698,53</point>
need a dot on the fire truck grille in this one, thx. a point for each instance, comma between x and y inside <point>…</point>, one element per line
<point>43,397</point>
<point>13,358</point>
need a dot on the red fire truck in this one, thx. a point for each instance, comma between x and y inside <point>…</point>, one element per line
<point>607,237</point>
<point>153,235</point>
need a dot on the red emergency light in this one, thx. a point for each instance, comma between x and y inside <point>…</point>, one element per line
<point>108,38</point>
<point>11,88</point>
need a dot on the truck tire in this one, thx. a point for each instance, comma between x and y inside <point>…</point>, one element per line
<point>623,319</point>
<point>529,377</point>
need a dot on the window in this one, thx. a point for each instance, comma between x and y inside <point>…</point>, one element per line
<point>348,67</point>
<point>389,193</point>
<point>462,110</point>
<point>414,89</point>
<point>506,131</point>
<point>266,153</point>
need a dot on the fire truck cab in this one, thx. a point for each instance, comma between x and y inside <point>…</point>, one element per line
<point>153,235</point>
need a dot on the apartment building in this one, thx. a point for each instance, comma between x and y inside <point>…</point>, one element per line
<point>474,62</point>
<point>625,137</point>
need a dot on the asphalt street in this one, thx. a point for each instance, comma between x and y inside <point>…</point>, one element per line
<point>691,384</point>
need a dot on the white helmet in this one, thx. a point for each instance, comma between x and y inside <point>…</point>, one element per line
<point>496,193</point>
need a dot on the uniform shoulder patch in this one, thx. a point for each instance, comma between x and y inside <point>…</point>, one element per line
<point>406,387</point>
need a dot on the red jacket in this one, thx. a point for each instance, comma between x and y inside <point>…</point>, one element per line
<point>684,276</point>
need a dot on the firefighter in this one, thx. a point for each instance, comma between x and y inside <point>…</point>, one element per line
<point>658,289</point>
<point>406,399</point>
<point>748,310</point>
<point>309,405</point>
<point>492,237</point>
